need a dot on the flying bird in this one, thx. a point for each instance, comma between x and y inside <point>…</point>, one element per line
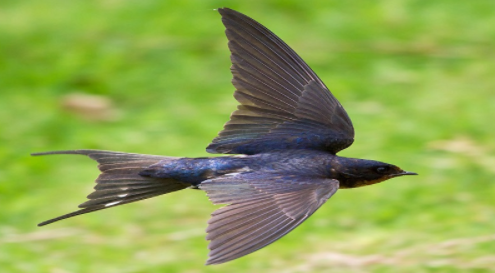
<point>281,143</point>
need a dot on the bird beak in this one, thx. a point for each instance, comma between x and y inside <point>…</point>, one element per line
<point>408,173</point>
<point>403,173</point>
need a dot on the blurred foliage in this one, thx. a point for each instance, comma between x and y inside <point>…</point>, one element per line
<point>416,77</point>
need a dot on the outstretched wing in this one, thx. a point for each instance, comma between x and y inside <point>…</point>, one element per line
<point>283,103</point>
<point>262,208</point>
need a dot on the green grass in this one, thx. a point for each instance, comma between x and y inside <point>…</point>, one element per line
<point>416,77</point>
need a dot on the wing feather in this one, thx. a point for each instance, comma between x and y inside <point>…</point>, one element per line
<point>262,208</point>
<point>283,103</point>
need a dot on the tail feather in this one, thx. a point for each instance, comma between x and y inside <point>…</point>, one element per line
<point>119,182</point>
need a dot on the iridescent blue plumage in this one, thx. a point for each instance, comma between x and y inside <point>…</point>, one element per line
<point>197,170</point>
<point>287,130</point>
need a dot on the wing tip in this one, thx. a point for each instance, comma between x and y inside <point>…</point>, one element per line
<point>217,260</point>
<point>224,10</point>
<point>228,12</point>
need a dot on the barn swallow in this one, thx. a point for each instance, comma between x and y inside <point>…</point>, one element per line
<point>282,143</point>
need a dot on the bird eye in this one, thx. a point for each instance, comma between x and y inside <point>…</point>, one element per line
<point>382,170</point>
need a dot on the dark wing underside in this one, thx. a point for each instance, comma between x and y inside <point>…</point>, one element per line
<point>283,103</point>
<point>262,208</point>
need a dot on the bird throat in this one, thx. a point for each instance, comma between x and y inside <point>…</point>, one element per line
<point>361,183</point>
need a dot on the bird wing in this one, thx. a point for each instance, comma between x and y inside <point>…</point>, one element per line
<point>283,103</point>
<point>262,208</point>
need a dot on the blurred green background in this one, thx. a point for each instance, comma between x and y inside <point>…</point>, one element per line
<point>416,77</point>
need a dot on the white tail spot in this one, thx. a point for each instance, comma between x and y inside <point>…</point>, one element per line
<point>123,195</point>
<point>112,203</point>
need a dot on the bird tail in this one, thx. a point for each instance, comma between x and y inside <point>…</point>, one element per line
<point>120,181</point>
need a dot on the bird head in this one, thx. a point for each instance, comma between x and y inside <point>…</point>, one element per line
<point>355,172</point>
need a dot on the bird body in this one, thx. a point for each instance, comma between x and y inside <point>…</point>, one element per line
<point>197,170</point>
<point>281,145</point>
<point>350,172</point>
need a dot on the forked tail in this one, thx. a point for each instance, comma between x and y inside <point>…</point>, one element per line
<point>119,182</point>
